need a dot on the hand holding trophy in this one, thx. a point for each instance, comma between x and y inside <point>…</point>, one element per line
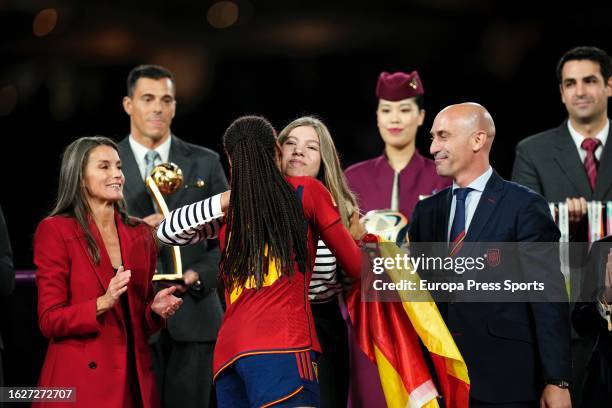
<point>165,179</point>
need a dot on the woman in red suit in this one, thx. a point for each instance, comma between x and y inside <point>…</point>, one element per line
<point>95,298</point>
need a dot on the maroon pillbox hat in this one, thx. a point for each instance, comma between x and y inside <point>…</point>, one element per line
<point>399,85</point>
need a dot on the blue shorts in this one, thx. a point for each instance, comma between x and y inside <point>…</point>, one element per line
<point>264,380</point>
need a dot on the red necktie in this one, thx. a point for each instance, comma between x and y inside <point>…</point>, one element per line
<point>590,162</point>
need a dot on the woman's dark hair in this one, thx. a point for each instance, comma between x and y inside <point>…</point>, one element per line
<point>71,199</point>
<point>265,221</point>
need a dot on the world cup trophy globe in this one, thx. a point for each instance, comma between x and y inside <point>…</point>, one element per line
<point>166,179</point>
<point>388,224</point>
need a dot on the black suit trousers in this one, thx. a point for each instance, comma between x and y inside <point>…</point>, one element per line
<point>183,371</point>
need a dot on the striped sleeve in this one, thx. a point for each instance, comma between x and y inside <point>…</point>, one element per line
<point>192,223</point>
<point>324,285</point>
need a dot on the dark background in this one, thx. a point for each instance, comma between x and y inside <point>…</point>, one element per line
<point>280,58</point>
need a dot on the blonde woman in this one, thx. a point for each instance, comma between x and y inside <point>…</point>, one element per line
<point>308,150</point>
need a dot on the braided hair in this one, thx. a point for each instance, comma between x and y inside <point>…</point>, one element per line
<point>265,220</point>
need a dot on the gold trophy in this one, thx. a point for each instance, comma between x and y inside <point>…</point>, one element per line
<point>165,179</point>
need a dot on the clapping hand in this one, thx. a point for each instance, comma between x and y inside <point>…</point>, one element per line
<point>165,303</point>
<point>116,287</point>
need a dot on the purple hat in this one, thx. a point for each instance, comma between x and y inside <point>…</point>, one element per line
<point>399,85</point>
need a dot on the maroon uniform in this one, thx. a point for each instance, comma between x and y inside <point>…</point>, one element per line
<point>372,183</point>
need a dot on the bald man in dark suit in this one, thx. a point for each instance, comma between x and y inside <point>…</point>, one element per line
<point>517,354</point>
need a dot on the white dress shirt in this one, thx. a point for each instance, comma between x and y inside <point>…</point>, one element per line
<point>471,201</point>
<point>578,138</point>
<point>140,152</point>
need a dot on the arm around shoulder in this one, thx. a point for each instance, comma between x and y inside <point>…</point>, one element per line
<point>320,208</point>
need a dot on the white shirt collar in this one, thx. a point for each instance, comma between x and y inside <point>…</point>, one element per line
<point>578,138</point>
<point>140,152</point>
<point>471,201</point>
<point>479,183</point>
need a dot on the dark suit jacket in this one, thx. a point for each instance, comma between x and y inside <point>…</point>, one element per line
<point>586,318</point>
<point>509,348</point>
<point>200,316</point>
<point>85,351</point>
<point>549,164</point>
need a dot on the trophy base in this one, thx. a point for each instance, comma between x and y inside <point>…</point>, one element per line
<point>171,277</point>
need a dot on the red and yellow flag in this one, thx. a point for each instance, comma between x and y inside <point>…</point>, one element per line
<point>389,332</point>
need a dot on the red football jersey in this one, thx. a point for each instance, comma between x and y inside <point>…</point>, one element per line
<point>277,318</point>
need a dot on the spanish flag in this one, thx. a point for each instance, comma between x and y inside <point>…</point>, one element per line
<point>389,332</point>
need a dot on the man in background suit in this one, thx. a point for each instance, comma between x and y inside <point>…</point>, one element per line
<point>516,353</point>
<point>573,162</point>
<point>183,351</point>
<point>7,275</point>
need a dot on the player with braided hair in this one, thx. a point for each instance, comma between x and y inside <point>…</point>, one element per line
<point>266,217</point>
<point>268,229</point>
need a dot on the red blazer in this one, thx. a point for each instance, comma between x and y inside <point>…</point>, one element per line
<point>85,351</point>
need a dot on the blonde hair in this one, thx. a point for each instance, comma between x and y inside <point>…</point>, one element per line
<point>331,173</point>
